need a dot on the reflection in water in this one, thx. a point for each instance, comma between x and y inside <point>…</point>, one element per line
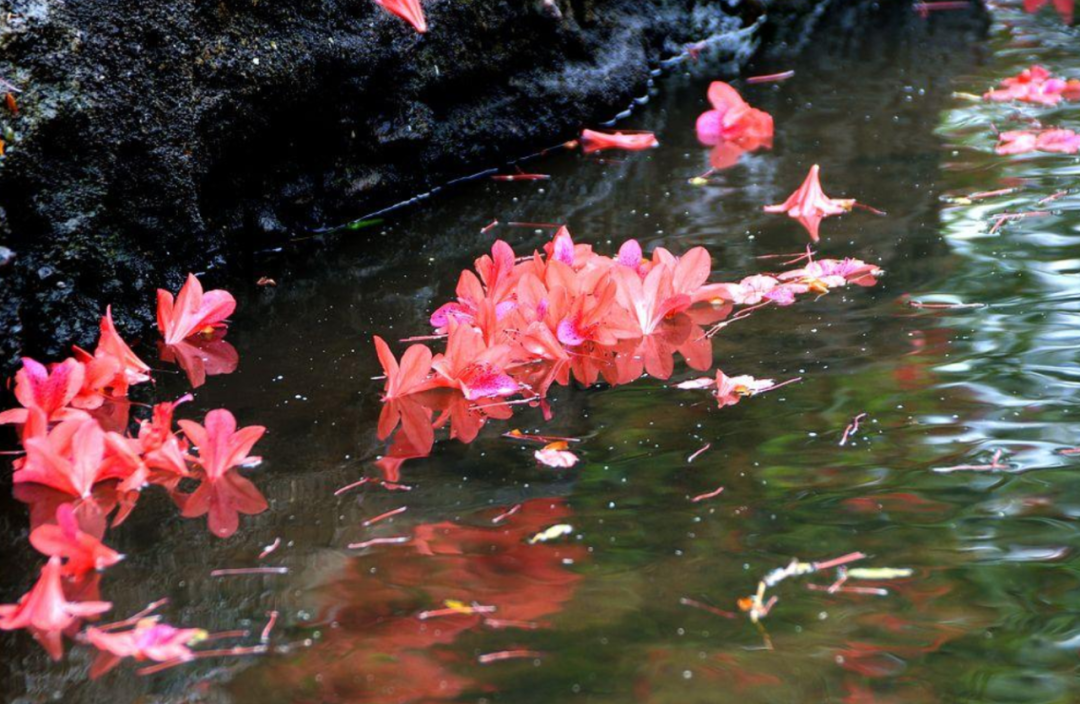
<point>387,633</point>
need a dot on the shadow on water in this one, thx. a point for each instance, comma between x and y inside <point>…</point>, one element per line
<point>987,615</point>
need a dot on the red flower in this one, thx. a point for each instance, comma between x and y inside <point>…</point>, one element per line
<point>110,344</point>
<point>407,377</point>
<point>593,141</point>
<point>221,446</point>
<point>46,612</point>
<point>408,10</point>
<point>70,459</point>
<point>810,205</point>
<point>193,311</point>
<point>82,551</point>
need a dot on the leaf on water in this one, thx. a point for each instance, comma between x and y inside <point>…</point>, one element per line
<point>361,224</point>
<point>556,531</point>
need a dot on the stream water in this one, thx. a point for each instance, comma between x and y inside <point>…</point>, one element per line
<point>990,613</point>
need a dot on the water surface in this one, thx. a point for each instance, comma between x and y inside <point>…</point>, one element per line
<point>990,612</point>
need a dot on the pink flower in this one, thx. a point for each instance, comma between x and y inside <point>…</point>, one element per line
<point>810,205</point>
<point>733,120</point>
<point>134,370</point>
<point>70,459</point>
<point>409,376</point>
<point>472,367</point>
<point>408,10</point>
<point>593,141</point>
<point>221,446</point>
<point>557,455</point>
<point>82,551</point>
<point>1055,140</point>
<point>46,612</point>
<point>193,311</point>
<point>50,391</point>
<point>732,389</point>
<point>1035,85</point>
<point>147,640</point>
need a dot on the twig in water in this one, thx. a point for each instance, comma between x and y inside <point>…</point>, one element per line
<point>705,607</point>
<point>240,571</point>
<point>270,548</point>
<point>384,516</point>
<point>265,636</point>
<point>506,514</point>
<point>507,655</point>
<point>853,427</point>
<point>489,227</point>
<point>995,463</point>
<point>347,487</point>
<point>711,494</point>
<point>944,306</point>
<point>396,540</point>
<point>771,77</point>
<point>698,453</point>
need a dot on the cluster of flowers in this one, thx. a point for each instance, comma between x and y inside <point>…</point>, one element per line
<point>1055,140</point>
<point>82,465</point>
<point>1035,85</point>
<point>520,325</point>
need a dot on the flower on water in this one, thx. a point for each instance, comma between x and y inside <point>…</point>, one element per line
<point>1060,141</point>
<point>220,445</point>
<point>556,454</point>
<point>732,389</point>
<point>593,141</point>
<point>147,640</point>
<point>733,120</point>
<point>408,376</point>
<point>192,311</point>
<point>48,390</point>
<point>810,205</point>
<point>82,551</point>
<point>46,612</point>
<point>1035,85</point>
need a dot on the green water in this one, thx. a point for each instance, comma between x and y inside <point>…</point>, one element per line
<point>992,611</point>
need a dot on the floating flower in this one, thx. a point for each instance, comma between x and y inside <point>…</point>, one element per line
<point>192,312</point>
<point>81,551</point>
<point>556,454</point>
<point>46,612</point>
<point>49,391</point>
<point>220,445</point>
<point>1060,141</point>
<point>147,640</point>
<point>732,127</point>
<point>809,204</point>
<point>732,389</point>
<point>1035,85</point>
<point>593,141</point>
